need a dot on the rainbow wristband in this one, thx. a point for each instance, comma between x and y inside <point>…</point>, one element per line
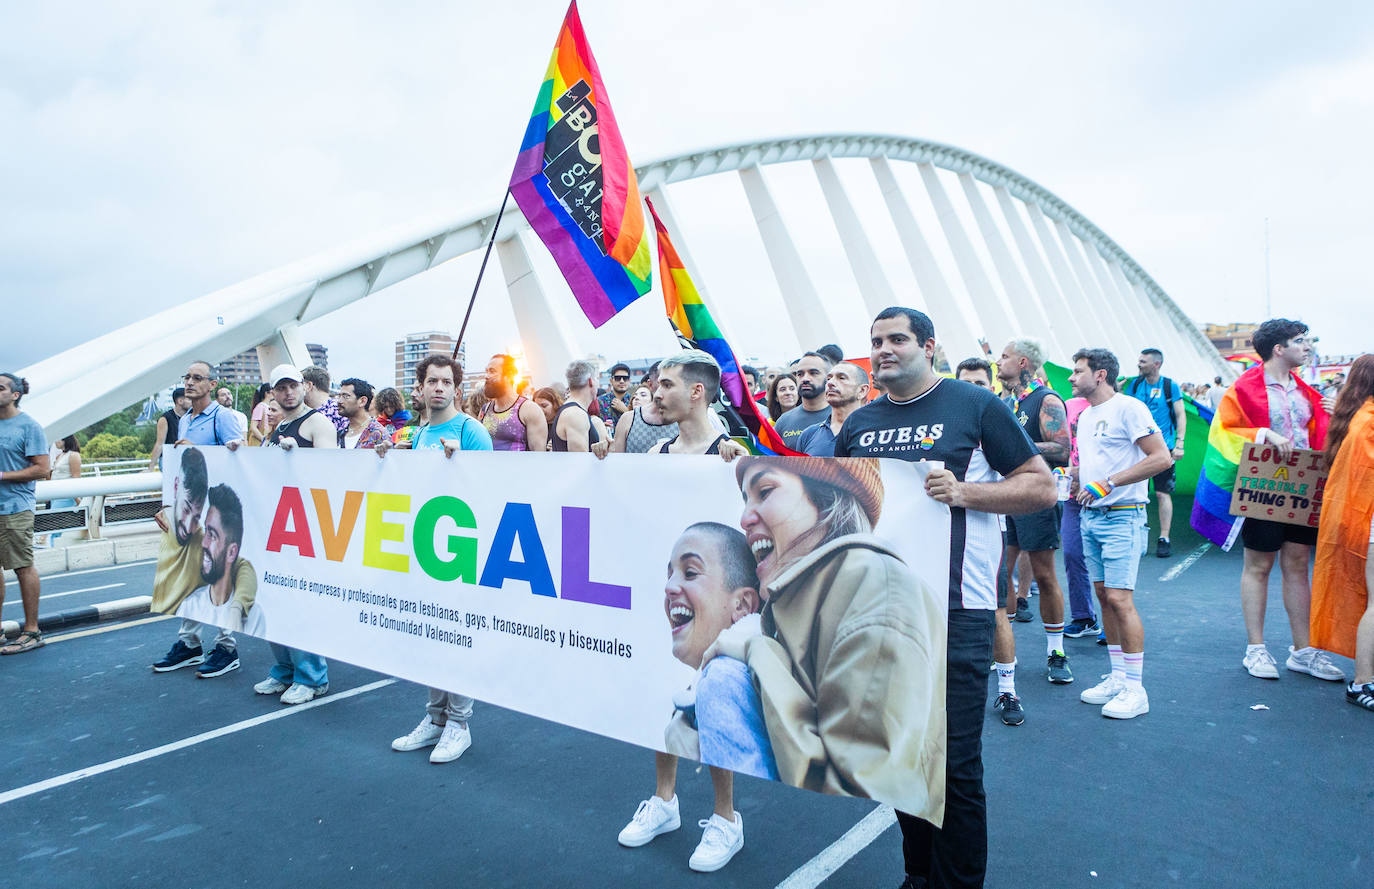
<point>1099,490</point>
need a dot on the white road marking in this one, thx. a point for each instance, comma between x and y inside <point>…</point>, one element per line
<point>89,589</point>
<point>1186,563</point>
<point>109,628</point>
<point>94,570</point>
<point>10,796</point>
<point>834,856</point>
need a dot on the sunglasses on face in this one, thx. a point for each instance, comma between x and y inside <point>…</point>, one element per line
<point>620,378</point>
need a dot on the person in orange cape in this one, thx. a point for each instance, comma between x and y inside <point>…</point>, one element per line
<point>1343,582</point>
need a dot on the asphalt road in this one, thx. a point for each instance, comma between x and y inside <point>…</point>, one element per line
<point>1202,791</point>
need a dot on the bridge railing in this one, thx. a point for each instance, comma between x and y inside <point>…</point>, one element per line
<point>129,495</point>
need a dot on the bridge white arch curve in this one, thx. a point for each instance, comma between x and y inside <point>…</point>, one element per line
<point>1061,279</point>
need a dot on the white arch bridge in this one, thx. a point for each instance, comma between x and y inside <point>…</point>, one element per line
<point>1029,264</point>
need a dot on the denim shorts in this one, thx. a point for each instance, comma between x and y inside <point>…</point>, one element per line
<point>1113,542</point>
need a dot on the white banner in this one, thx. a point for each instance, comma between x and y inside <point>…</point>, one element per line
<point>589,593</point>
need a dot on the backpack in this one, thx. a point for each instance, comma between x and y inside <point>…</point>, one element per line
<point>1171,395</point>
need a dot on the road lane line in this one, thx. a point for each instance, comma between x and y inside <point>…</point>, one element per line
<point>834,856</point>
<point>17,793</point>
<point>94,570</point>
<point>89,589</point>
<point>1186,563</point>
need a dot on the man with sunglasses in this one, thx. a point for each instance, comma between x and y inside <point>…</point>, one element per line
<point>617,401</point>
<point>206,423</point>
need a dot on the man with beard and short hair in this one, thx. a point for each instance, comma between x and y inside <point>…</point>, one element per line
<point>1162,396</point>
<point>298,676</point>
<point>225,396</point>
<point>615,403</point>
<point>445,726</point>
<point>513,421</point>
<point>922,416</point>
<point>976,371</point>
<point>641,429</point>
<point>1042,415</point>
<point>24,460</point>
<point>810,371</point>
<point>206,423</point>
<point>846,390</point>
<point>355,406</point>
<point>219,601</point>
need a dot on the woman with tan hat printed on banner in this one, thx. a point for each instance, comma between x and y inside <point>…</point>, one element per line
<point>852,686</point>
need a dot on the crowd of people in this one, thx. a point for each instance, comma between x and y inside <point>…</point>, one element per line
<point>1026,472</point>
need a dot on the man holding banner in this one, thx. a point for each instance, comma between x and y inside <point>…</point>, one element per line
<point>922,416</point>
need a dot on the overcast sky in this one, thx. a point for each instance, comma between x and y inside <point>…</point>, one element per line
<point>155,152</point>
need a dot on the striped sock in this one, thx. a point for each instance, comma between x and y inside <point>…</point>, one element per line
<point>1134,662</point>
<point>1118,661</point>
<point>1006,678</point>
<point>1054,638</point>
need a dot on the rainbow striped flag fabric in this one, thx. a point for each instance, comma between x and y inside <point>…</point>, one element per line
<point>692,321</point>
<point>574,182</point>
<point>1238,419</point>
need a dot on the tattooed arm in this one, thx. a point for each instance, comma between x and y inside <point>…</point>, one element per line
<point>1054,425</point>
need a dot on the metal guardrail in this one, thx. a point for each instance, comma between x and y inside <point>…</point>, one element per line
<point>114,467</point>
<point>101,500</point>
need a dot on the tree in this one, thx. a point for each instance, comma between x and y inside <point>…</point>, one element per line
<point>106,446</point>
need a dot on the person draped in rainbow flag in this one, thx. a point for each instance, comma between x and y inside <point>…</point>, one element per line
<point>1268,404</point>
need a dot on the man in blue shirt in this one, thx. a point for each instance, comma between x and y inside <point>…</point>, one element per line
<point>1165,401</point>
<point>846,390</point>
<point>23,461</point>
<point>445,726</point>
<point>207,423</point>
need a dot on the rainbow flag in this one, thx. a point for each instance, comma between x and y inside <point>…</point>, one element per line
<point>575,185</point>
<point>692,321</point>
<point>1238,419</point>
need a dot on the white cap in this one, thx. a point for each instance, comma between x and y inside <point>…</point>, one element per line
<point>284,372</point>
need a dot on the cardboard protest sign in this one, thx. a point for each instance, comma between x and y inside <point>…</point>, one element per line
<point>1277,490</point>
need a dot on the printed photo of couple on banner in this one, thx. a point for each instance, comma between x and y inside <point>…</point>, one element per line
<point>781,617</point>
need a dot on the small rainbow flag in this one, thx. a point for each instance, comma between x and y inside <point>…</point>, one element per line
<point>693,322</point>
<point>575,185</point>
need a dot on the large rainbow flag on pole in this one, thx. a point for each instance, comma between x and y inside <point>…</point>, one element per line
<point>692,321</point>
<point>575,185</point>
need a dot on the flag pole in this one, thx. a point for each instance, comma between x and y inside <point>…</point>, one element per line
<point>480,272</point>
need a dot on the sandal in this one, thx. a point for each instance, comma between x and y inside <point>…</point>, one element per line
<point>27,641</point>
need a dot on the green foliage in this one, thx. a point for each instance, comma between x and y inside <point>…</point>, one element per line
<point>107,446</point>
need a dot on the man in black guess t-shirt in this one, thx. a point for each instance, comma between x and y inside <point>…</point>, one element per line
<point>923,416</point>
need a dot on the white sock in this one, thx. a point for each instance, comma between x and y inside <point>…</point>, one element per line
<point>1006,678</point>
<point>1118,662</point>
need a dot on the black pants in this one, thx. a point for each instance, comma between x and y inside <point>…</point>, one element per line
<point>956,855</point>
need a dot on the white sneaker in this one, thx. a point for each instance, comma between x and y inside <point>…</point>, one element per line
<point>1313,662</point>
<point>299,694</point>
<point>1128,704</point>
<point>653,817</point>
<point>1103,691</point>
<point>423,735</point>
<point>1261,664</point>
<point>720,840</point>
<point>270,686</point>
<point>453,741</point>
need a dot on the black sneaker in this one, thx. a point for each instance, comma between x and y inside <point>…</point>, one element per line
<point>181,655</point>
<point>1361,695</point>
<point>1023,612</point>
<point>1060,674</point>
<point>1162,548</point>
<point>218,662</point>
<point>1009,705</point>
<point>1082,627</point>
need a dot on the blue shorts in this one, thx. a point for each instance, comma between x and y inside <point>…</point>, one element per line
<point>1113,542</point>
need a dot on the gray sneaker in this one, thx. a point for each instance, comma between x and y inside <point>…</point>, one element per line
<point>1060,674</point>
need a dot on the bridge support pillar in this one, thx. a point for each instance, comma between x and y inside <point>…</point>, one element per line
<point>800,300</point>
<point>286,346</point>
<point>874,288</point>
<point>984,315</point>
<point>953,329</point>
<point>547,350</point>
